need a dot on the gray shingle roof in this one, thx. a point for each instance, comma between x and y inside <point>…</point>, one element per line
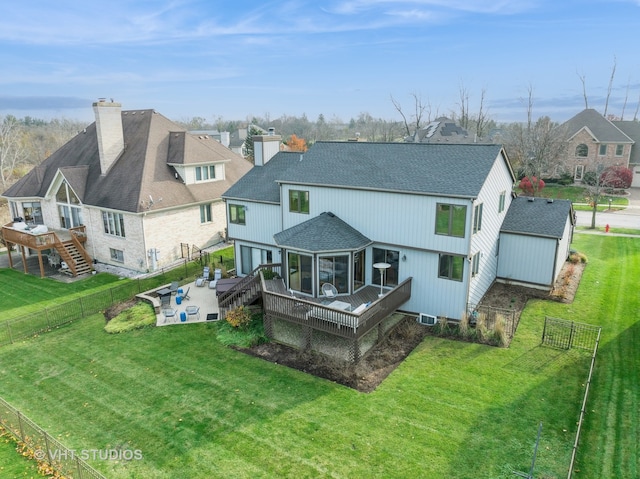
<point>632,130</point>
<point>430,169</point>
<point>602,129</point>
<point>141,171</point>
<point>538,217</point>
<point>325,232</point>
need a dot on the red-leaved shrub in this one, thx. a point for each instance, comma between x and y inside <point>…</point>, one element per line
<point>616,177</point>
<point>531,186</point>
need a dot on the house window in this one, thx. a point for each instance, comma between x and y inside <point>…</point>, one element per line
<point>205,213</point>
<point>236,214</point>
<point>579,173</point>
<point>501,201</point>
<point>334,270</point>
<point>113,223</point>
<point>298,201</point>
<point>619,150</point>
<point>359,271</point>
<point>116,255</point>
<point>475,264</point>
<point>32,212</point>
<point>251,258</point>
<point>451,267</point>
<point>602,151</point>
<point>300,272</point>
<point>582,150</point>
<point>205,173</point>
<point>477,218</point>
<point>391,274</point>
<point>70,214</point>
<point>450,219</point>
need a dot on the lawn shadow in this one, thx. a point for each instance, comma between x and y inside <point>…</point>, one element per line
<point>537,359</point>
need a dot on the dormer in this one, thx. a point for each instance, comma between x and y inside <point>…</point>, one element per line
<point>196,159</point>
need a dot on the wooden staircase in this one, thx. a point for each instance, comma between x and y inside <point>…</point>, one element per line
<point>75,256</point>
<point>246,292</point>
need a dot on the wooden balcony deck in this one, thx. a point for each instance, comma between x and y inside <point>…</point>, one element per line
<point>317,313</point>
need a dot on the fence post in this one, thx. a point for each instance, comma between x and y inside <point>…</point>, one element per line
<point>46,444</point>
<point>20,425</point>
<point>46,314</point>
<point>9,330</point>
<point>81,307</point>
<point>573,328</point>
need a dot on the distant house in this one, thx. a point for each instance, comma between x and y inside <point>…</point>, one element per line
<point>632,130</point>
<point>442,130</point>
<point>594,142</point>
<point>134,189</point>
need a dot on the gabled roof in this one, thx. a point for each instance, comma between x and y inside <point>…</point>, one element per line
<point>632,130</point>
<point>601,129</point>
<point>141,172</point>
<point>537,217</point>
<point>417,168</point>
<point>326,232</point>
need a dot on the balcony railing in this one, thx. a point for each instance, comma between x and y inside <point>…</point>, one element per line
<point>339,322</point>
<point>39,241</point>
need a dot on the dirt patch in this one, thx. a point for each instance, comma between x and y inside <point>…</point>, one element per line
<point>364,376</point>
<point>116,309</point>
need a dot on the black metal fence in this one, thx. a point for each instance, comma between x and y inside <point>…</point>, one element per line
<point>45,448</point>
<point>565,334</point>
<point>53,317</point>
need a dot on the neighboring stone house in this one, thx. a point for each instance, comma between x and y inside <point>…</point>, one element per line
<point>139,188</point>
<point>593,142</point>
<point>632,130</point>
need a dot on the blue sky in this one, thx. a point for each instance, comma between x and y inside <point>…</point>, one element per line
<point>236,59</point>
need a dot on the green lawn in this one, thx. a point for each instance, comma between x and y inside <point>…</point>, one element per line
<point>198,409</point>
<point>580,197</point>
<point>12,464</point>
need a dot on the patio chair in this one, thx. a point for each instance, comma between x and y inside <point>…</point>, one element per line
<point>205,273</point>
<point>169,314</point>
<point>329,291</point>
<point>185,295</point>
<point>174,287</point>
<point>165,301</point>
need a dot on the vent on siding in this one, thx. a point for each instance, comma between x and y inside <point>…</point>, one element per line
<point>427,319</point>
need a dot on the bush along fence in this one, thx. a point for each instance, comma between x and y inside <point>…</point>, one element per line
<point>53,317</point>
<point>42,447</point>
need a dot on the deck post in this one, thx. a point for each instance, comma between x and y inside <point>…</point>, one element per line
<point>41,264</point>
<point>24,260</point>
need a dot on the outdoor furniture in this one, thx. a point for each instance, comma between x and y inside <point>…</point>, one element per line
<point>174,287</point>
<point>185,295</point>
<point>193,312</point>
<point>165,301</point>
<point>169,314</point>
<point>226,284</point>
<point>329,291</point>
<point>199,282</point>
<point>205,273</point>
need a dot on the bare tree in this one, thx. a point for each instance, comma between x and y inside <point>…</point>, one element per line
<point>536,146</point>
<point>482,116</point>
<point>635,114</point>
<point>613,72</point>
<point>626,97</point>
<point>414,121</point>
<point>12,149</point>
<point>584,89</point>
<point>464,107</point>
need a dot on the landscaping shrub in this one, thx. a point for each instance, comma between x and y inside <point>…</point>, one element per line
<point>617,177</point>
<point>239,317</point>
<point>576,257</point>
<point>136,317</point>
<point>589,178</point>
<point>252,335</point>
<point>531,186</point>
<point>499,330</point>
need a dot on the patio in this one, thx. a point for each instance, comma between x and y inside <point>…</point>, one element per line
<point>202,303</point>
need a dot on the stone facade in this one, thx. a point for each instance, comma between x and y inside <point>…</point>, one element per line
<point>578,165</point>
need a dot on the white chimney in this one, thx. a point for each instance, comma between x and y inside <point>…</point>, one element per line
<point>225,138</point>
<point>265,147</point>
<point>109,130</point>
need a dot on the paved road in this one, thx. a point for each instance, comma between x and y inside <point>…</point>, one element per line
<point>628,218</point>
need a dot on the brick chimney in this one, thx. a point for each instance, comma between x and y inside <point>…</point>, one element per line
<point>265,147</point>
<point>109,130</point>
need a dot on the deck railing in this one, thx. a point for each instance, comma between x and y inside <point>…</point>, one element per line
<point>247,289</point>
<point>335,321</point>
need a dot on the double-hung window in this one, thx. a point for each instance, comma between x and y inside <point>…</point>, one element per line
<point>236,214</point>
<point>451,267</point>
<point>205,213</point>
<point>298,201</point>
<point>477,218</point>
<point>450,219</point>
<point>113,223</point>
<point>205,173</point>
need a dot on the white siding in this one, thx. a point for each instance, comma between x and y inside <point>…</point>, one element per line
<point>527,259</point>
<point>262,222</point>
<point>392,218</point>
<point>563,248</point>
<point>485,242</point>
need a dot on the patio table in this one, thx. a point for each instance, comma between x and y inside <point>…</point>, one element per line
<point>164,292</point>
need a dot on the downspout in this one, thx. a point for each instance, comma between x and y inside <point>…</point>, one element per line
<point>144,243</point>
